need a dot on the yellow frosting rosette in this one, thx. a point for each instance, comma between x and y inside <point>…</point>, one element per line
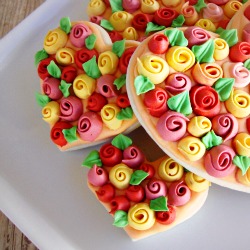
<point>51,112</point>
<point>206,24</point>
<point>241,144</point>
<point>231,7</point>
<point>221,49</point>
<point>130,33</point>
<point>108,62</point>
<point>192,148</point>
<point>196,183</point>
<point>120,176</point>
<point>65,56</point>
<point>96,8</point>
<point>244,179</point>
<point>199,126</point>
<point>180,58</point>
<point>120,20</point>
<point>55,40</point>
<point>207,73</point>
<point>84,86</point>
<point>170,170</point>
<point>171,3</point>
<point>153,67</point>
<point>108,115</point>
<point>149,6</point>
<point>238,103</point>
<point>141,217</point>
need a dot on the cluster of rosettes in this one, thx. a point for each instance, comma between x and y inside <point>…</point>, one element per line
<point>139,193</point>
<point>199,97</point>
<point>82,81</point>
<point>135,19</point>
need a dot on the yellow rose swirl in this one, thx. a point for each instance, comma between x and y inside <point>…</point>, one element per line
<point>108,62</point>
<point>51,112</point>
<point>121,20</point>
<point>199,126</point>
<point>65,56</point>
<point>196,183</point>
<point>96,8</point>
<point>149,6</point>
<point>84,86</point>
<point>108,115</point>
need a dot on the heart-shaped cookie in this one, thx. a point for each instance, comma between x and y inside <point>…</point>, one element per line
<point>136,19</point>
<point>189,89</point>
<point>144,197</point>
<point>82,75</point>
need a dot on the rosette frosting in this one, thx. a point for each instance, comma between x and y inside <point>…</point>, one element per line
<point>133,157</point>
<point>244,179</point>
<point>178,193</point>
<point>171,3</point>
<point>231,7</point>
<point>177,83</point>
<point>57,135</point>
<point>121,20</point>
<point>65,56</point>
<point>108,114</point>
<point>221,49</point>
<point>106,192</point>
<point>130,33</point>
<point>42,68</point>
<point>196,183</point>
<point>241,144</point>
<point>84,86</point>
<point>96,19</point>
<point>89,126</point>
<point>106,87</point>
<point>97,176</point>
<point>206,24</point>
<point>119,202</point>
<point>155,188</point>
<point>51,112</point>
<point>240,52</point>
<point>149,6</point>
<point>131,5</point>
<point>78,34</point>
<point>108,62</point>
<point>213,12</point>
<point>96,8</point>
<point>246,33</point>
<point>190,14</point>
<point>135,193</point>
<point>124,59</point>
<point>69,73</point>
<point>165,16</point>
<point>166,217</point>
<point>110,155</point>
<point>96,102</point>
<point>140,21</point>
<point>50,88</point>
<point>199,126</point>
<point>84,55</point>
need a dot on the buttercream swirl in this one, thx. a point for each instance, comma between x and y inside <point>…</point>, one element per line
<point>96,102</point>
<point>97,176</point>
<point>130,33</point>
<point>133,157</point>
<point>69,74</point>
<point>177,83</point>
<point>231,7</point>
<point>196,36</point>
<point>124,59</point>
<point>121,20</point>
<point>96,19</point>
<point>206,24</point>
<point>153,67</point>
<point>166,217</point>
<point>120,175</point>
<point>149,6</point>
<point>178,193</point>
<point>240,52</point>
<point>196,183</point>
<point>84,55</point>
<point>180,58</point>
<point>50,87</point>
<point>241,144</point>
<point>108,62</point>
<point>84,86</point>
<point>89,126</point>
<point>199,126</point>
<point>218,161</point>
<point>140,21</point>
<point>192,148</point>
<point>106,192</point>
<point>213,12</point>
<point>135,193</point>
<point>42,68</point>
<point>65,56</point>
<point>51,112</point>
<point>172,126</point>
<point>78,34</point>
<point>169,170</point>
<point>105,86</point>
<point>110,155</point>
<point>221,49</point>
<point>165,16</point>
<point>131,5</point>
<point>141,217</point>
<point>96,8</point>
<point>155,188</point>
<point>57,135</point>
<point>190,14</point>
<point>158,44</point>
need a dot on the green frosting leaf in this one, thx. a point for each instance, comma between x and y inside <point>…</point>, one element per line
<point>178,21</point>
<point>70,134</point>
<point>65,24</point>
<point>120,218</point>
<point>116,5</point>
<point>244,1</point>
<point>91,68</point>
<point>151,27</point>
<point>40,55</point>
<point>119,47</point>
<point>106,25</point>
<point>223,87</point>
<point>42,100</point>
<point>159,204</point>
<point>137,177</point>
<point>54,70</point>
<point>176,37</point>
<point>121,141</point>
<point>92,159</point>
<point>180,103</point>
<point>90,41</point>
<point>242,162</point>
<point>120,82</point>
<point>64,87</point>
<point>247,64</point>
<point>204,53</point>
<point>143,84</point>
<point>125,114</point>
<point>211,140</point>
<point>230,36</point>
<point>200,5</point>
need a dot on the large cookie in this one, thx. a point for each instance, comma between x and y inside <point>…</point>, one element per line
<point>144,197</point>
<point>136,19</point>
<point>82,76</point>
<point>190,90</point>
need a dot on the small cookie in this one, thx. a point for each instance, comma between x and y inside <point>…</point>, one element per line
<point>144,197</point>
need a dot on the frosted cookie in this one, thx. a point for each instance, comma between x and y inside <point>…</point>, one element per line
<point>137,19</point>
<point>144,197</point>
<point>189,89</point>
<point>82,77</point>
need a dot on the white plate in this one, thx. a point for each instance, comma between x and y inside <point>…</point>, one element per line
<point>44,192</point>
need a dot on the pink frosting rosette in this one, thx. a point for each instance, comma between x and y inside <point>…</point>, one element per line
<point>97,176</point>
<point>213,12</point>
<point>131,5</point>
<point>246,33</point>
<point>89,126</point>
<point>172,126</point>
<point>78,34</point>
<point>50,87</point>
<point>133,157</point>
<point>177,83</point>
<point>71,108</point>
<point>225,125</point>
<point>155,188</point>
<point>106,87</point>
<point>196,36</point>
<point>218,161</point>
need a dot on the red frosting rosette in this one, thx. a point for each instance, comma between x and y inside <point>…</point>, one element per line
<point>205,101</point>
<point>149,169</point>
<point>179,193</point>
<point>96,102</point>
<point>96,19</point>
<point>106,193</point>
<point>158,44</point>
<point>120,202</point>
<point>196,36</point>
<point>140,21</point>
<point>106,87</point>
<point>89,126</point>
<point>133,157</point>
<point>69,74</point>
<point>166,217</point>
<point>135,193</point>
<point>240,52</point>
<point>122,101</point>
<point>165,16</point>
<point>42,68</point>
<point>115,36</point>
<point>110,155</point>
<point>57,135</point>
<point>78,34</point>
<point>124,59</point>
<point>50,88</point>
<point>84,55</point>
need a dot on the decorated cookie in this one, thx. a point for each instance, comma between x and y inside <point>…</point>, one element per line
<point>189,88</point>
<point>82,76</point>
<point>143,197</point>
<point>136,19</point>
